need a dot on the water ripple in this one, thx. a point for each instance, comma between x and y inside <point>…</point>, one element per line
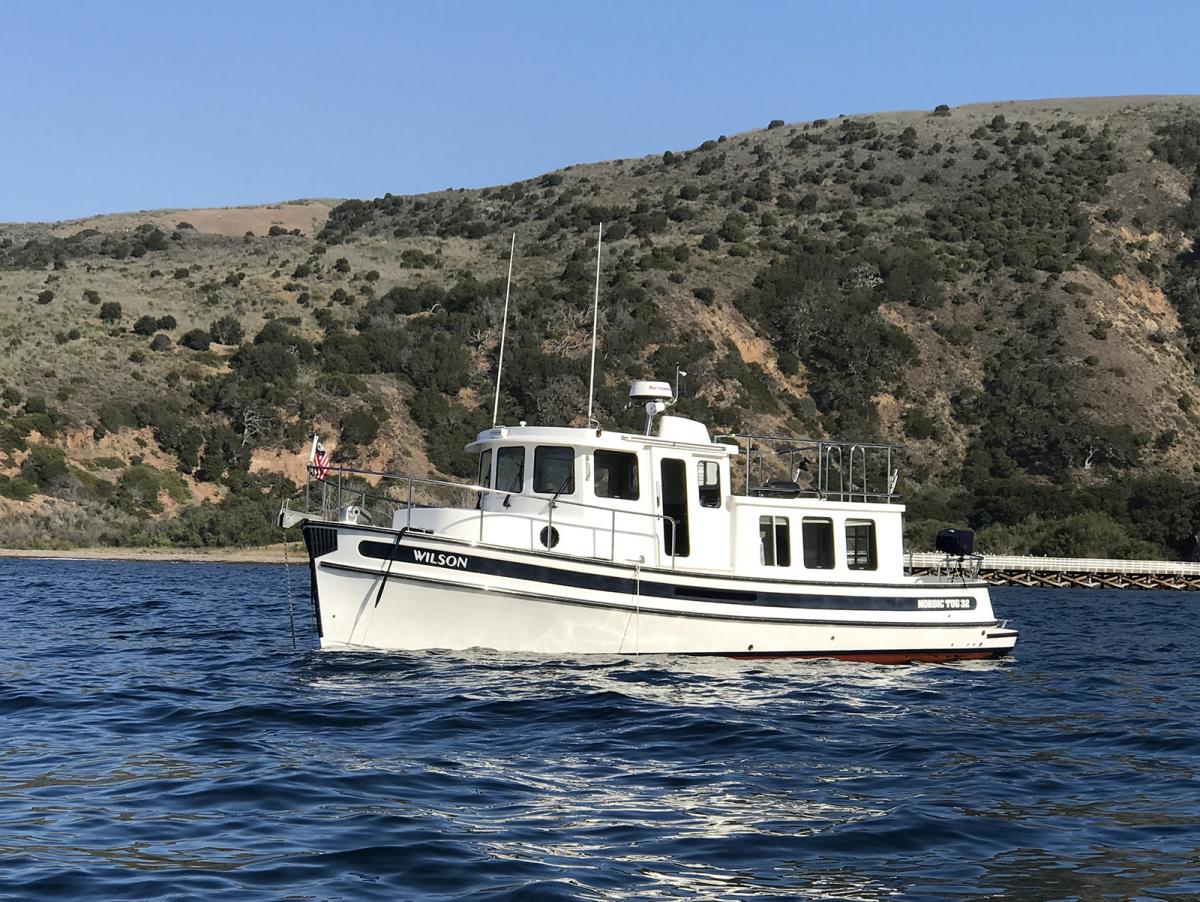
<point>162,739</point>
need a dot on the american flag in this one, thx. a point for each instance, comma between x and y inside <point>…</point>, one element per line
<point>318,460</point>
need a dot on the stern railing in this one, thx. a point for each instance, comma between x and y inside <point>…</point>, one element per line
<point>786,466</point>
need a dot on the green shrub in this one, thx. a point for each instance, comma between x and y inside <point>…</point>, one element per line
<point>359,427</point>
<point>44,465</point>
<point>266,362</point>
<point>145,325</point>
<point>734,228</point>
<point>17,488</point>
<point>110,311</point>
<point>227,330</point>
<point>196,340</point>
<point>246,516</point>
<point>116,415</point>
<point>920,425</point>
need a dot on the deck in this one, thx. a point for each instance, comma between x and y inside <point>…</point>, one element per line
<point>1058,572</point>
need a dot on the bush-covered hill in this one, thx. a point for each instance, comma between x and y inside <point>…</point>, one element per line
<point>1008,290</point>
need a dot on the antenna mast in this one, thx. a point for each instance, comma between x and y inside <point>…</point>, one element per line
<point>503,330</point>
<point>595,319</point>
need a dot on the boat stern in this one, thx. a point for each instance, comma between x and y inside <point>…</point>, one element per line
<point>1000,639</point>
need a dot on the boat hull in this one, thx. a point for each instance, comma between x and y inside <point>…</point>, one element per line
<point>381,589</point>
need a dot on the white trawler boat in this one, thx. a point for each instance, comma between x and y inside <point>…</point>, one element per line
<point>586,541</point>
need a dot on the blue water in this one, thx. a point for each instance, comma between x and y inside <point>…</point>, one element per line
<point>160,738</point>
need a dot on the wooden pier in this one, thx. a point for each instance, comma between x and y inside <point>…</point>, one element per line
<point>1062,573</point>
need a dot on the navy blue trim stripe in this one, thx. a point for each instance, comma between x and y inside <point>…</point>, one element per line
<point>628,603</point>
<point>649,588</point>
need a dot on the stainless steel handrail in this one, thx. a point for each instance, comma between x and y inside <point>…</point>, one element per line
<point>844,471</point>
<point>365,495</point>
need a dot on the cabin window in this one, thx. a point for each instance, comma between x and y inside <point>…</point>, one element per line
<point>554,470</point>
<point>817,535</point>
<point>708,482</point>
<point>860,545</point>
<point>616,475</point>
<point>510,469</point>
<point>776,541</point>
<point>485,469</point>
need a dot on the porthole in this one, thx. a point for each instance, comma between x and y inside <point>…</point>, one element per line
<point>549,536</point>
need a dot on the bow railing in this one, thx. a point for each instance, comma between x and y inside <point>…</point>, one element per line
<point>375,498</point>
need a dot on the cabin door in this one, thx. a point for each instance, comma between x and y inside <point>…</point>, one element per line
<point>673,495</point>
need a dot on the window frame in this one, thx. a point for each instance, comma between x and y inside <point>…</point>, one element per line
<point>708,493</point>
<point>828,560</point>
<point>774,527</point>
<point>483,475</point>
<point>505,451</point>
<point>561,489</point>
<point>635,484</point>
<point>855,559</point>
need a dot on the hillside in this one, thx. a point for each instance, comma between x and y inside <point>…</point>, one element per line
<point>1007,290</point>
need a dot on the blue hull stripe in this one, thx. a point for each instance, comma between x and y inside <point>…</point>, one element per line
<point>558,576</point>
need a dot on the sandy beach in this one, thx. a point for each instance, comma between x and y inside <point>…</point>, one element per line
<point>261,554</point>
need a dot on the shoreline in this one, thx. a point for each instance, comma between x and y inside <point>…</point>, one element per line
<point>259,554</point>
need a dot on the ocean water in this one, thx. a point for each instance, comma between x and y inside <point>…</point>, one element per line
<point>161,738</point>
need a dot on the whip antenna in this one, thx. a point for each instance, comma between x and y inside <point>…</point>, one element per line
<point>503,330</point>
<point>595,318</point>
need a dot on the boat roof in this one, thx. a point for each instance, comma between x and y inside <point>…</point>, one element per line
<point>679,433</point>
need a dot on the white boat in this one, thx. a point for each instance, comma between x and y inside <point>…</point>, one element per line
<point>582,541</point>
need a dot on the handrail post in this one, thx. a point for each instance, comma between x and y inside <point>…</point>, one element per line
<point>408,523</point>
<point>612,537</point>
<point>675,540</point>
<point>749,461</point>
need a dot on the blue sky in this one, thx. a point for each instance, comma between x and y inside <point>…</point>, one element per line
<point>125,106</point>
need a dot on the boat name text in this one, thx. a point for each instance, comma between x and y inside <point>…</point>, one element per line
<point>440,559</point>
<point>943,604</point>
